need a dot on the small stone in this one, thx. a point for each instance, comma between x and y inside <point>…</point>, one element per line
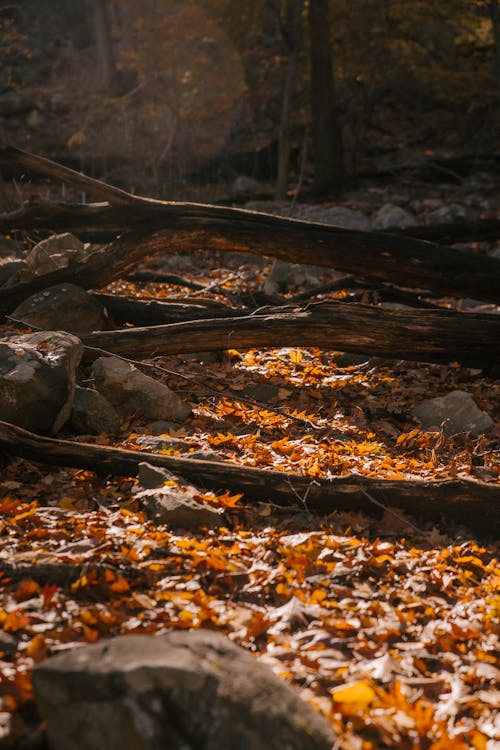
<point>456,412</point>
<point>8,644</point>
<point>389,216</point>
<point>169,505</point>
<point>447,214</point>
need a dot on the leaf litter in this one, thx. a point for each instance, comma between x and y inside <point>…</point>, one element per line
<point>388,626</point>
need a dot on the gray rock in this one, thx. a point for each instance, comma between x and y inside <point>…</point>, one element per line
<point>8,644</point>
<point>284,275</point>
<point>171,506</point>
<point>132,392</point>
<point>64,306</point>
<point>92,414</point>
<point>151,477</point>
<point>184,690</point>
<point>243,184</point>
<point>390,215</point>
<point>161,427</point>
<point>13,272</point>
<point>37,379</point>
<point>495,253</point>
<point>340,216</point>
<point>58,251</point>
<point>457,412</point>
<point>447,214</point>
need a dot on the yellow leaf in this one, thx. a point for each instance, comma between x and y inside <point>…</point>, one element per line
<point>295,356</point>
<point>77,139</point>
<point>68,503</point>
<point>359,692</point>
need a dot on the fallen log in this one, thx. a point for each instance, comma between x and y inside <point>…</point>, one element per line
<point>463,500</point>
<point>426,335</point>
<point>450,233</point>
<point>171,227</point>
<point>143,312</point>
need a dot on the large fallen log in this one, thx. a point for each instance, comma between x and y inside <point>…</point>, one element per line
<point>426,335</point>
<point>450,233</point>
<point>170,227</point>
<point>463,500</point>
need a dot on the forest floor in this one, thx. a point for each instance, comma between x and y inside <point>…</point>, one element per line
<point>384,622</point>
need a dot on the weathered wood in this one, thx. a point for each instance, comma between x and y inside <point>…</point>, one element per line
<point>450,233</point>
<point>463,500</point>
<point>170,227</point>
<point>142,312</point>
<point>426,335</point>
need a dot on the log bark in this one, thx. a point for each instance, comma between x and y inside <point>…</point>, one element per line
<point>463,500</point>
<point>142,312</point>
<point>426,335</point>
<point>170,227</point>
<point>453,232</point>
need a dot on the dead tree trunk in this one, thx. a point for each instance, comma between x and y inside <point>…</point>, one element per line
<point>426,335</point>
<point>162,227</point>
<point>463,500</point>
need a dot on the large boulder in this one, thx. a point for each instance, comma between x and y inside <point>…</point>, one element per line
<point>37,379</point>
<point>132,392</point>
<point>57,251</point>
<point>65,306</point>
<point>456,412</point>
<point>185,690</point>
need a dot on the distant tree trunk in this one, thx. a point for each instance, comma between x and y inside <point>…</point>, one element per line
<point>326,134</point>
<point>284,129</point>
<point>104,42</point>
<point>494,8</point>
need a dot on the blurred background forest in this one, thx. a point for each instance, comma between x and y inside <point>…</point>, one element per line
<point>214,99</point>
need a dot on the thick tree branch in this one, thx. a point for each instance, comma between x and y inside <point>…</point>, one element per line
<point>426,335</point>
<point>463,500</point>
